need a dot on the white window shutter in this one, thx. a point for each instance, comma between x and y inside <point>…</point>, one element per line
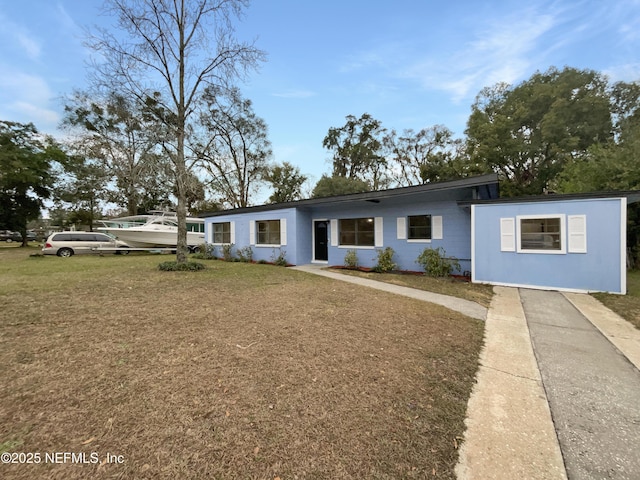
<point>577,227</point>
<point>252,232</point>
<point>232,232</point>
<point>334,233</point>
<point>209,227</point>
<point>436,228</point>
<point>283,231</point>
<point>401,224</point>
<point>377,232</point>
<point>507,235</point>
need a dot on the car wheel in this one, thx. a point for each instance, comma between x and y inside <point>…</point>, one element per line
<point>122,251</point>
<point>65,252</point>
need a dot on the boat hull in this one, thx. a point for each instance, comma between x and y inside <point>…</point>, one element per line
<point>145,238</point>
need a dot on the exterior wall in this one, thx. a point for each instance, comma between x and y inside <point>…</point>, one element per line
<point>601,266</point>
<point>456,231</point>
<point>241,237</point>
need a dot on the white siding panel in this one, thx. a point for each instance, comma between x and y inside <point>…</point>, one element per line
<point>283,231</point>
<point>436,228</point>
<point>252,232</point>
<point>507,234</point>
<point>401,226</point>
<point>378,231</point>
<point>577,229</point>
<point>334,233</point>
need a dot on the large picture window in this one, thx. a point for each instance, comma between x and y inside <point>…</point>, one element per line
<point>357,232</point>
<point>222,232</point>
<point>268,232</point>
<point>420,227</point>
<point>544,234</point>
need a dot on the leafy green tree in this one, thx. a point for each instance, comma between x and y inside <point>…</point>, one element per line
<point>176,48</point>
<point>81,190</point>
<point>120,136</point>
<point>330,186</point>
<point>26,173</point>
<point>286,181</point>
<point>529,132</point>
<point>358,150</point>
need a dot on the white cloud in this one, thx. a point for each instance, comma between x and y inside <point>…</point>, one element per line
<point>26,98</point>
<point>12,33</point>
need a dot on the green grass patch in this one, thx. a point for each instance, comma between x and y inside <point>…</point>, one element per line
<point>627,306</point>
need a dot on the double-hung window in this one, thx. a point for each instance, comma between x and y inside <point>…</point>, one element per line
<point>358,232</point>
<point>221,232</point>
<point>419,227</point>
<point>268,232</point>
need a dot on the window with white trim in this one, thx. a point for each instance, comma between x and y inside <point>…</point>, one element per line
<point>357,232</point>
<point>541,234</point>
<point>419,227</point>
<point>268,232</point>
<point>221,232</point>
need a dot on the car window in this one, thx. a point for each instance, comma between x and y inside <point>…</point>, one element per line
<point>62,237</point>
<point>100,237</point>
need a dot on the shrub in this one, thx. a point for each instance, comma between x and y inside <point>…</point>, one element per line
<point>181,267</point>
<point>245,254</point>
<point>206,251</point>
<point>280,259</point>
<point>351,259</point>
<point>435,262</point>
<point>385,260</point>
<point>227,252</point>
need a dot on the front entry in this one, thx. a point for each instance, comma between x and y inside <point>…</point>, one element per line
<point>320,240</point>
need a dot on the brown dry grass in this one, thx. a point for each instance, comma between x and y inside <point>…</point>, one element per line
<point>475,292</point>
<point>239,371</point>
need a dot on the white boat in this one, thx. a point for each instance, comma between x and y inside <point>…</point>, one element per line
<point>156,229</point>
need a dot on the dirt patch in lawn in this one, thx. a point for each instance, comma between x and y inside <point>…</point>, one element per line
<point>240,371</point>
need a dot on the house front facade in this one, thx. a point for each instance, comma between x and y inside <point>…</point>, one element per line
<point>323,230</point>
<point>564,242</point>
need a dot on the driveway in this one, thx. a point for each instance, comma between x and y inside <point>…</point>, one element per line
<point>556,396</point>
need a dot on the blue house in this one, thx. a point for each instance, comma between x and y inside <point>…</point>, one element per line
<point>556,242</point>
<point>559,242</point>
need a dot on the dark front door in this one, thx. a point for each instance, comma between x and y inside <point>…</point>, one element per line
<point>320,247</point>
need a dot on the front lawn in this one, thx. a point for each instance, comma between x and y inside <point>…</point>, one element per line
<point>627,306</point>
<point>239,371</point>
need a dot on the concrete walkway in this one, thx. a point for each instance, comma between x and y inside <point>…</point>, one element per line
<point>569,410</point>
<point>467,307</point>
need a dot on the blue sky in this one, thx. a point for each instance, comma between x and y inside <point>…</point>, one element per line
<point>408,63</point>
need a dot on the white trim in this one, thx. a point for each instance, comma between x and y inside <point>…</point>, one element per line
<point>252,232</point>
<point>333,224</point>
<point>473,243</point>
<point>508,234</point>
<point>209,232</point>
<point>623,245</point>
<point>401,228</point>
<point>232,232</point>
<point>283,232</point>
<point>437,231</point>
<point>378,232</point>
<point>420,240</point>
<point>357,247</point>
<point>264,245</point>
<point>563,234</point>
<point>577,233</point>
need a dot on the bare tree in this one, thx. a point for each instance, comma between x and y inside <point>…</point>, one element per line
<point>234,150</point>
<point>172,50</point>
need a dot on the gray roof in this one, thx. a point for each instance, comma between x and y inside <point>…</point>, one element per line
<point>375,197</point>
<point>631,195</point>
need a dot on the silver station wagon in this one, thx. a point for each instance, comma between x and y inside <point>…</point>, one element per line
<point>66,244</point>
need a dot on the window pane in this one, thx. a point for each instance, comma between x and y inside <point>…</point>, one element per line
<point>268,232</point>
<point>540,234</point>
<point>357,231</point>
<point>222,232</point>
<point>420,227</point>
